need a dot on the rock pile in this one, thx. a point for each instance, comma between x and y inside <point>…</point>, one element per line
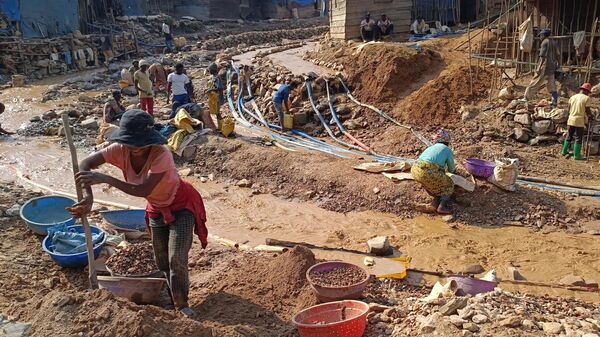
<point>246,39</point>
<point>497,313</point>
<point>536,123</point>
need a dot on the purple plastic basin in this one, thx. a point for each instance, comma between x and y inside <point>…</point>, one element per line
<point>329,294</point>
<point>479,167</point>
<point>473,286</point>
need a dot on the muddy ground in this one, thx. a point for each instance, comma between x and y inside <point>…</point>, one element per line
<point>312,197</point>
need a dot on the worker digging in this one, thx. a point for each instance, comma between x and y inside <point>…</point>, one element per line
<point>300,168</point>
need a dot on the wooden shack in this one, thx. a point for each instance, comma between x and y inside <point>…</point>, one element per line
<point>345,15</point>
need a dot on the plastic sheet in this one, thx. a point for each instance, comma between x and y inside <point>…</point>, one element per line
<point>69,241</point>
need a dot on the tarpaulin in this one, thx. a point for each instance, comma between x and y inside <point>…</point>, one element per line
<point>10,8</point>
<point>68,241</point>
<point>42,18</point>
<point>132,7</point>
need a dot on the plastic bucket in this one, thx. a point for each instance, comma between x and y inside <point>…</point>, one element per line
<point>288,121</point>
<point>327,320</point>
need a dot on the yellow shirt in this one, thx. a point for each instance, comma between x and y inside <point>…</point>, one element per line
<point>577,105</point>
<point>144,83</point>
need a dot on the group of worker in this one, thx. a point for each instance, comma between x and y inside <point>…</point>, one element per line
<point>374,31</point>
<point>431,166</point>
<point>546,70</point>
<point>149,79</point>
<point>175,210</point>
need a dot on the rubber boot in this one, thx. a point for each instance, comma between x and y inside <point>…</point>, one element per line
<point>577,152</point>
<point>565,148</point>
<point>554,99</point>
<point>219,124</point>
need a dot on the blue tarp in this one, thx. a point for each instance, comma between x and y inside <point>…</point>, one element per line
<point>10,8</point>
<point>132,7</point>
<point>287,3</point>
<point>43,18</point>
<point>70,241</point>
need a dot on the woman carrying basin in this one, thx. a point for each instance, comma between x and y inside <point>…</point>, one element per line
<point>175,209</point>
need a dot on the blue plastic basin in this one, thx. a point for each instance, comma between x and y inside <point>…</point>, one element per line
<point>78,259</point>
<point>47,211</point>
<point>126,219</point>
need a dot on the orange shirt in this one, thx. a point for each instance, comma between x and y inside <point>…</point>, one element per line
<point>160,160</point>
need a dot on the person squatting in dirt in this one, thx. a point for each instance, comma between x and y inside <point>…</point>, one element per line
<point>547,66</point>
<point>430,171</point>
<point>158,76</point>
<point>196,110</point>
<point>578,118</point>
<point>143,85</point>
<point>386,27</point>
<point>369,31</point>
<point>175,209</point>
<point>113,109</point>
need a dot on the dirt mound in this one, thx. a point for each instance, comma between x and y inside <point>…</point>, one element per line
<point>437,102</point>
<point>99,313</point>
<point>379,73</point>
<point>278,284</point>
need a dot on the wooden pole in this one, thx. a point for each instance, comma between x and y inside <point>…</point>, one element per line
<point>470,70</point>
<point>86,226</point>
<point>591,51</point>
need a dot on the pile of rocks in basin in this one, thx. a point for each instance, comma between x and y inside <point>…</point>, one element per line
<point>338,277</point>
<point>536,123</point>
<point>135,259</point>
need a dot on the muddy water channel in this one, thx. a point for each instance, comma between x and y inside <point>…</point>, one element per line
<point>237,214</point>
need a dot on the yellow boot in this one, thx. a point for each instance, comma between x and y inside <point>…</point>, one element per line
<point>219,124</point>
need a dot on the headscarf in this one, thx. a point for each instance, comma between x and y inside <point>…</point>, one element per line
<point>442,136</point>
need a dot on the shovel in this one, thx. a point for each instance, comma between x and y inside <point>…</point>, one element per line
<point>86,226</point>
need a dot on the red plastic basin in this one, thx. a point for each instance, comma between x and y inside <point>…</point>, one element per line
<point>325,320</point>
<point>329,294</point>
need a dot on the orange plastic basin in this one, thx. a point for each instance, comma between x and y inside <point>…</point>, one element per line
<point>327,320</point>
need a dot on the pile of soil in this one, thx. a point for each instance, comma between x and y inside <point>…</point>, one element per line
<point>338,277</point>
<point>100,313</point>
<point>379,73</point>
<point>278,284</point>
<point>437,102</point>
<point>135,259</point>
<point>251,294</point>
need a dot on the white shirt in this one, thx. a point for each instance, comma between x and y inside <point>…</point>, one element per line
<point>166,29</point>
<point>178,83</point>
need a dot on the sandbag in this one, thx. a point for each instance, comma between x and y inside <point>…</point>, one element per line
<point>505,174</point>
<point>526,35</point>
<point>506,94</point>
